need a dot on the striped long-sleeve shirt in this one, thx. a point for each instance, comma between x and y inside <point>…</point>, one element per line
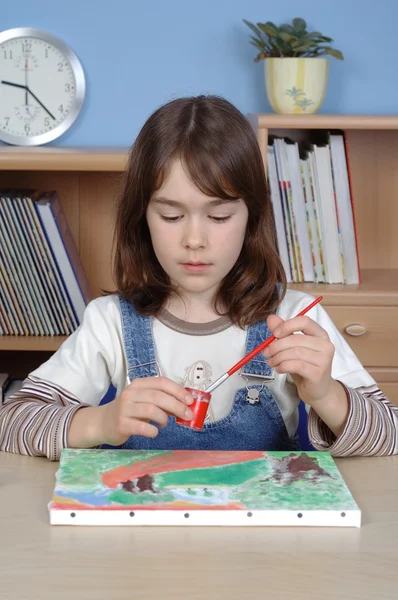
<point>36,420</point>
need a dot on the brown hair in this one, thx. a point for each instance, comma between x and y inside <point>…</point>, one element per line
<point>221,154</point>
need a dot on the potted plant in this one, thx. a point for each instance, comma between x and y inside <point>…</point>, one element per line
<point>295,67</point>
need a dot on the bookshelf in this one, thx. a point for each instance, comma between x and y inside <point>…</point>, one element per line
<point>86,180</point>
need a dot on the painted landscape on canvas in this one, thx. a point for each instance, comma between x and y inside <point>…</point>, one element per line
<point>201,480</point>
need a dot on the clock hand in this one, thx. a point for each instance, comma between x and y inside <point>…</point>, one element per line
<point>26,82</point>
<point>18,85</point>
<point>41,103</point>
<point>25,87</point>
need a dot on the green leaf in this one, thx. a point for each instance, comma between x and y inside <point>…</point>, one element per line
<point>287,37</point>
<point>278,42</point>
<point>254,29</point>
<point>299,24</point>
<point>319,36</point>
<point>336,53</point>
<point>270,25</point>
<point>268,29</point>
<point>302,44</point>
<point>258,43</point>
<point>286,27</point>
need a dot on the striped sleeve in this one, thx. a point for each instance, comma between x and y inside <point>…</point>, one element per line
<point>371,428</point>
<point>35,420</point>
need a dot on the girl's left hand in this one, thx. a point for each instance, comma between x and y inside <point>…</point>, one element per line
<point>307,358</point>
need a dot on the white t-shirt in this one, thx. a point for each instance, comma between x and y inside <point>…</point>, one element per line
<point>193,355</point>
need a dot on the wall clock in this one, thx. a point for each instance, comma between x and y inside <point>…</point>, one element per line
<point>42,87</point>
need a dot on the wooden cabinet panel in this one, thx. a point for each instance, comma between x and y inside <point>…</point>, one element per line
<point>372,332</point>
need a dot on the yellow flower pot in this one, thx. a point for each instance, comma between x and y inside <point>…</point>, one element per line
<point>296,85</point>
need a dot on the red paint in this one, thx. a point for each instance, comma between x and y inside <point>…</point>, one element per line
<point>71,506</point>
<point>178,460</point>
<point>199,409</point>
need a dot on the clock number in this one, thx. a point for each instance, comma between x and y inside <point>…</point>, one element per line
<point>7,120</point>
<point>27,128</point>
<point>26,47</point>
<point>46,53</point>
<point>67,87</point>
<point>8,54</point>
<point>47,122</point>
<point>61,108</point>
<point>60,67</point>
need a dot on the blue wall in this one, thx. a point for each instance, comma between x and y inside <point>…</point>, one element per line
<point>138,54</point>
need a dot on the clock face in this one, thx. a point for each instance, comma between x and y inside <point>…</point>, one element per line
<point>41,87</point>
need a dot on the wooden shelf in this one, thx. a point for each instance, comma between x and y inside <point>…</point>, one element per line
<point>319,121</point>
<point>379,287</point>
<point>31,343</point>
<point>17,158</point>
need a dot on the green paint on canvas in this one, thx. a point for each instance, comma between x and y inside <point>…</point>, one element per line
<point>269,480</point>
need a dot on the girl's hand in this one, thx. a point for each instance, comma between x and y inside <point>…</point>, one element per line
<point>307,358</point>
<point>143,400</point>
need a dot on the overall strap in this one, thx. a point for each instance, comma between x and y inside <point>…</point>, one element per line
<point>258,365</point>
<point>138,342</point>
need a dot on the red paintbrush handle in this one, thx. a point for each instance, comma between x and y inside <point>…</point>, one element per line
<point>249,356</point>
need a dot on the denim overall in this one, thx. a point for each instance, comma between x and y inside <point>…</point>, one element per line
<point>257,426</point>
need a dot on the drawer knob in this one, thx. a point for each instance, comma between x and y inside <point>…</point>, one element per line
<point>355,329</point>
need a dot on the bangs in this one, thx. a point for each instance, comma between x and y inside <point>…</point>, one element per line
<point>212,176</point>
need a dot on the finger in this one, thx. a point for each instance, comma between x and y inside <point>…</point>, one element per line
<point>136,427</point>
<point>167,403</point>
<point>300,354</point>
<point>149,412</point>
<point>273,322</point>
<point>163,384</point>
<point>297,367</point>
<point>299,341</point>
<point>303,324</point>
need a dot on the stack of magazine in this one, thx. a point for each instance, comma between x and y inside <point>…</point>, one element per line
<point>43,287</point>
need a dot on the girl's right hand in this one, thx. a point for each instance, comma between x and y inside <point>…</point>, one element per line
<point>145,399</point>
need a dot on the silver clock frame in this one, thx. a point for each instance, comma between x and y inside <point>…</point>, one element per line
<point>80,87</point>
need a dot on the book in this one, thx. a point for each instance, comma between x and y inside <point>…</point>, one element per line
<point>185,487</point>
<point>344,208</point>
<point>279,217</point>
<point>66,255</point>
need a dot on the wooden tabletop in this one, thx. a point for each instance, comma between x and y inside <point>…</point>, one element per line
<point>38,560</point>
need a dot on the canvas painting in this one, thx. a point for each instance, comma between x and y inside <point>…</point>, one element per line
<point>128,487</point>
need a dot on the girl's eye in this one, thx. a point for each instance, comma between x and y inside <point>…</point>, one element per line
<point>170,219</point>
<point>220,219</point>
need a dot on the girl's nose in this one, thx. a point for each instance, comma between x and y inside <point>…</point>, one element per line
<point>195,236</point>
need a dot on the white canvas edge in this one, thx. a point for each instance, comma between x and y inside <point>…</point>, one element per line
<point>205,518</point>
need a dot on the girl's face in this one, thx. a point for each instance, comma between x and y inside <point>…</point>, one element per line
<point>196,239</point>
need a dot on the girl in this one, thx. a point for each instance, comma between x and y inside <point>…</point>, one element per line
<point>198,284</point>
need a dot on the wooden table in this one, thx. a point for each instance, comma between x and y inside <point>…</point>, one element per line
<point>38,560</point>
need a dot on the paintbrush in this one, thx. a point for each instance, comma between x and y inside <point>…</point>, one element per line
<point>254,352</point>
